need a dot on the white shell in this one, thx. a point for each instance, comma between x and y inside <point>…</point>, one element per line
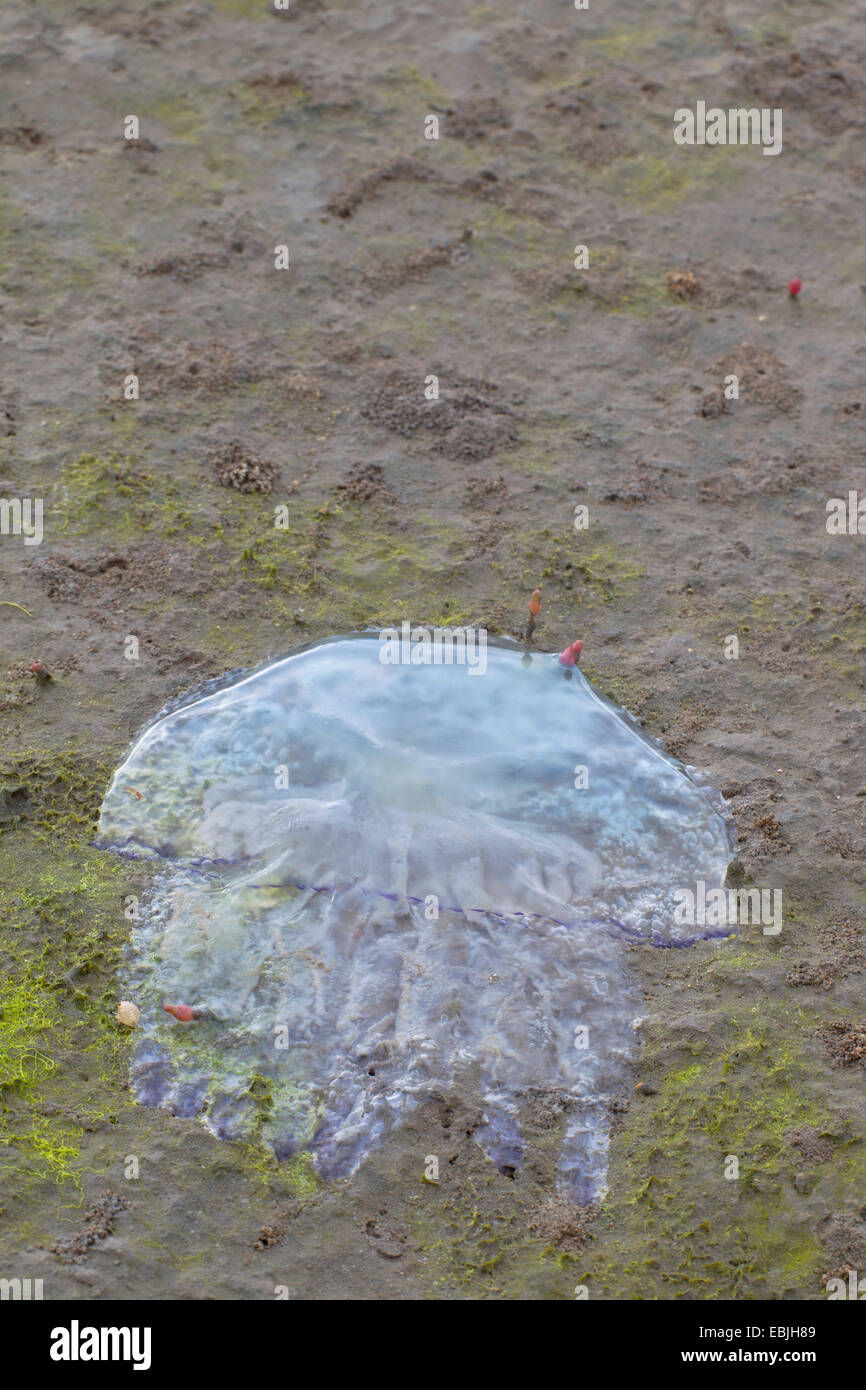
<point>127,1013</point>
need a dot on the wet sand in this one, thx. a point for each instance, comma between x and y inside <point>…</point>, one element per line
<point>559,387</point>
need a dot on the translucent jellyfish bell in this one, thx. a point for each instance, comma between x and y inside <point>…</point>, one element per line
<point>381,878</point>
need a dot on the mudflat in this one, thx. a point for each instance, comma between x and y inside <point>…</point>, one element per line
<point>220,323</point>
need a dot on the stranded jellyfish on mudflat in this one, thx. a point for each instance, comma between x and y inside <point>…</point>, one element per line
<point>375,882</point>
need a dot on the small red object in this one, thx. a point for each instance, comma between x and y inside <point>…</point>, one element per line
<point>40,670</point>
<point>571,655</point>
<point>182,1012</point>
<point>794,287</point>
<point>535,603</point>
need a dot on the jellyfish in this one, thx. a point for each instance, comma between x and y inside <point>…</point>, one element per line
<point>376,880</point>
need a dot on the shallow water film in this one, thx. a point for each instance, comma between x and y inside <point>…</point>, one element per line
<point>377,881</point>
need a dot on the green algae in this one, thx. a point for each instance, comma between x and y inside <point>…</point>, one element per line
<point>62,930</point>
<point>719,1238</point>
<point>631,42</point>
<point>247,9</point>
<point>661,182</point>
<point>669,1159</point>
<point>473,1244</point>
<point>42,1146</point>
<point>261,105</point>
<point>520,241</point>
<point>293,1177</point>
<point>406,81</point>
<point>187,117</point>
<point>25,1016</point>
<point>347,568</point>
<point>582,566</point>
<point>339,563</point>
<point>834,640</point>
<point>93,492</point>
<point>31,258</point>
